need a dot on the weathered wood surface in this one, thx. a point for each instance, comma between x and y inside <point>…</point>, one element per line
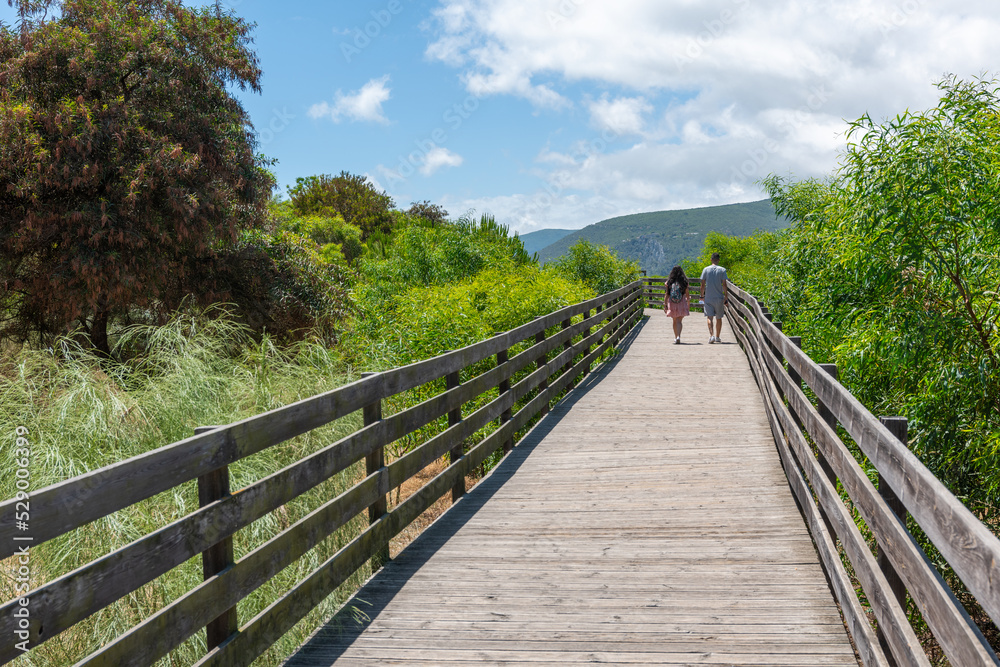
<point>965,542</point>
<point>955,631</point>
<point>645,520</point>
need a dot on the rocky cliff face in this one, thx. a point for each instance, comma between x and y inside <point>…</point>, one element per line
<point>648,251</point>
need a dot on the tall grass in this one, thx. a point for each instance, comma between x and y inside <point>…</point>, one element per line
<point>83,413</point>
<point>438,289</point>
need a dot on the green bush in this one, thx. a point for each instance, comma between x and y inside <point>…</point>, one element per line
<point>281,284</point>
<point>596,266</point>
<point>425,321</point>
<point>339,241</point>
<point>420,254</point>
<point>350,196</point>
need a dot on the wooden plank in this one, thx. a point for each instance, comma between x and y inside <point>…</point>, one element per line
<point>890,614</point>
<point>541,365</point>
<point>544,561</point>
<point>212,487</point>
<point>62,507</point>
<point>454,418</point>
<point>968,545</point>
<point>374,463</point>
<point>898,427</point>
<point>503,388</point>
<point>957,634</point>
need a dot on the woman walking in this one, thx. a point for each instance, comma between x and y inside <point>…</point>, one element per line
<point>677,301</point>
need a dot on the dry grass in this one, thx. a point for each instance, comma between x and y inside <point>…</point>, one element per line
<point>431,514</point>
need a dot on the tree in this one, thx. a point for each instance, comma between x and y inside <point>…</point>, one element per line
<point>126,163</point>
<point>896,263</point>
<point>353,197</point>
<point>433,213</point>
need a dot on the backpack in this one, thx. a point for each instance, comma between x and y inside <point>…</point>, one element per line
<point>676,293</point>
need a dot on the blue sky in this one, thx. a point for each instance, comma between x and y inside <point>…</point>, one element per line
<point>560,113</point>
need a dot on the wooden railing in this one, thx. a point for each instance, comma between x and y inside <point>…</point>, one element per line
<point>654,290</point>
<point>533,377</point>
<point>820,466</point>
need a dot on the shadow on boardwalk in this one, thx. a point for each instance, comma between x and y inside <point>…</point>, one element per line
<point>340,632</point>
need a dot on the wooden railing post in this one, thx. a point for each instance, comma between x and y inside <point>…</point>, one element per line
<point>898,427</point>
<point>827,415</point>
<point>214,486</point>
<point>769,317</point>
<point>542,360</point>
<point>374,462</point>
<point>565,324</point>
<point>639,314</point>
<point>615,311</point>
<point>792,373</point>
<point>503,388</point>
<point>781,360</point>
<point>586,351</point>
<point>455,417</point>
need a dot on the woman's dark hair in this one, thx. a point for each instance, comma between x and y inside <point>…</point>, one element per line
<point>677,276</point>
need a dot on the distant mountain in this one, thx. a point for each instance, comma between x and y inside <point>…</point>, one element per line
<point>535,241</point>
<point>662,239</point>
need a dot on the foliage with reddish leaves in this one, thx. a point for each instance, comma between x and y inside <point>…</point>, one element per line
<point>281,285</point>
<point>125,164</point>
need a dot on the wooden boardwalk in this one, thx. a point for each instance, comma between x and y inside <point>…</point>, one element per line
<point>645,520</point>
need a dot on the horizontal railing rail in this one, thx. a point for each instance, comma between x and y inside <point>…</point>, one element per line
<point>819,464</point>
<point>654,290</point>
<point>534,376</point>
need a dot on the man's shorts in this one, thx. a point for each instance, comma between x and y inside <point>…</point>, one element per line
<point>715,308</point>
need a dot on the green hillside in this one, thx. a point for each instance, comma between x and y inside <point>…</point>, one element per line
<point>661,239</point>
<point>535,241</point>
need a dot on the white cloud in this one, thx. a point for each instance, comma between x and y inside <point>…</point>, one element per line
<point>426,161</point>
<point>363,105</point>
<point>718,93</point>
<point>622,116</point>
<point>438,157</point>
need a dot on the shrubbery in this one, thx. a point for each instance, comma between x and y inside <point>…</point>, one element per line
<point>890,270</point>
<point>424,321</point>
<point>352,197</point>
<point>597,267</point>
<point>283,284</point>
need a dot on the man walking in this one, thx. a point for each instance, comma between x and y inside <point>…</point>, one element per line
<point>715,294</point>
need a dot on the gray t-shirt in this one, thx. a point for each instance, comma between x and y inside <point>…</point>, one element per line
<point>713,277</point>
